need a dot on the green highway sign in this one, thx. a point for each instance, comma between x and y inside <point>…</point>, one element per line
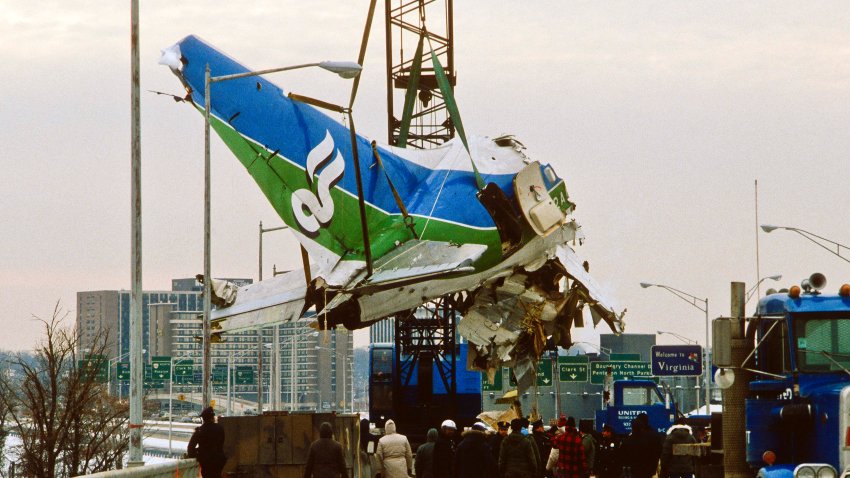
<point>572,369</point>
<point>219,374</point>
<point>621,370</point>
<point>161,368</point>
<point>123,371</point>
<point>184,373</point>
<point>496,386</point>
<point>544,373</point>
<point>97,366</point>
<point>244,375</point>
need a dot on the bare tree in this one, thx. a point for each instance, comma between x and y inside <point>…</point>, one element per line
<point>67,422</point>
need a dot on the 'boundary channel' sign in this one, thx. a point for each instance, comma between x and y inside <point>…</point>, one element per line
<point>621,370</point>
<point>676,360</point>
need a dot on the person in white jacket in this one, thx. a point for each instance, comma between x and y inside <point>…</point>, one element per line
<point>395,458</point>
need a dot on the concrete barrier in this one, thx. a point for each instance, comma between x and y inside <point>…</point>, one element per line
<point>175,469</point>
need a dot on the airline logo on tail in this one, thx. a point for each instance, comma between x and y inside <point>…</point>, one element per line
<point>313,212</point>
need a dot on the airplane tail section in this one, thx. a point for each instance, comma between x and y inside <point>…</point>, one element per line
<point>300,157</point>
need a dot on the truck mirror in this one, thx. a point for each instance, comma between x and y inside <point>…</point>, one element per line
<point>721,343</point>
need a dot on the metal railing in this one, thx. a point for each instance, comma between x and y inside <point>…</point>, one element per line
<point>179,468</point>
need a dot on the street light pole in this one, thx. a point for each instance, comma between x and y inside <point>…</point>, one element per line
<point>813,238</point>
<point>344,69</point>
<point>275,383</point>
<point>678,336</point>
<point>706,366</point>
<point>752,290</point>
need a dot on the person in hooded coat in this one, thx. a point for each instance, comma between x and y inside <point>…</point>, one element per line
<point>444,450</point>
<point>424,464</point>
<point>394,455</point>
<point>325,459</point>
<point>473,458</point>
<point>677,466</point>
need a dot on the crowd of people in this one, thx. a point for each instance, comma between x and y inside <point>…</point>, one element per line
<point>521,449</point>
<point>561,451</point>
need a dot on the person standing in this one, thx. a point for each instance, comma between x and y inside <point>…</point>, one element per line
<point>516,456</point>
<point>424,464</point>
<point>473,458</point>
<point>608,455</point>
<point>641,450</point>
<point>495,441</point>
<point>543,442</point>
<point>395,458</point>
<point>677,466</point>
<point>207,445</point>
<point>588,442</point>
<point>325,459</point>
<point>444,450</point>
<point>571,461</point>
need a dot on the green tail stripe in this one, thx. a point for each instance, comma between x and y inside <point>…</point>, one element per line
<point>410,95</point>
<point>454,113</point>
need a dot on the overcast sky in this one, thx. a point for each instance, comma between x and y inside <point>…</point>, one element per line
<point>659,116</point>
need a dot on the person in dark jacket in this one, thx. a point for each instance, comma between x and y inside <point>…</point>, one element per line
<point>495,441</point>
<point>444,450</point>
<point>543,442</point>
<point>424,463</point>
<point>473,458</point>
<point>207,445</point>
<point>641,450</point>
<point>516,457</point>
<point>325,459</point>
<point>608,462</point>
<point>677,466</point>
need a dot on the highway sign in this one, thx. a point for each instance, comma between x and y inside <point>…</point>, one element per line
<point>244,375</point>
<point>96,365</point>
<point>621,370</point>
<point>496,386</point>
<point>161,368</point>
<point>219,374</point>
<point>123,371</point>
<point>572,369</point>
<point>544,373</point>
<point>184,373</point>
<point>677,360</point>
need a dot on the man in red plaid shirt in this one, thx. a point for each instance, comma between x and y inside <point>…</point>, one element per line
<point>571,463</point>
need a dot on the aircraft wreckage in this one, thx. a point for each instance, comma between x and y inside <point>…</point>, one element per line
<point>387,229</point>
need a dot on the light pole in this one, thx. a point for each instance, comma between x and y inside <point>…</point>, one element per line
<point>343,69</point>
<point>171,396</point>
<point>275,385</point>
<point>694,301</point>
<point>818,240</point>
<point>678,336</point>
<point>752,290</point>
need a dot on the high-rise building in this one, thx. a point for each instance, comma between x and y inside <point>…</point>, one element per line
<point>314,367</point>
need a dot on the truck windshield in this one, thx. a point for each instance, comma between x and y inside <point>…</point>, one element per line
<point>823,344</point>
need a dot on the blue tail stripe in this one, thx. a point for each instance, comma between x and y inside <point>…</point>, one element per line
<point>280,124</point>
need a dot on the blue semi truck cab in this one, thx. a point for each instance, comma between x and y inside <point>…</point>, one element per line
<point>630,399</point>
<point>798,402</point>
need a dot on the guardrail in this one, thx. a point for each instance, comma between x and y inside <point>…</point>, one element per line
<point>176,469</point>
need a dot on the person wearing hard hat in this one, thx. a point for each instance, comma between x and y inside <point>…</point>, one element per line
<point>444,449</point>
